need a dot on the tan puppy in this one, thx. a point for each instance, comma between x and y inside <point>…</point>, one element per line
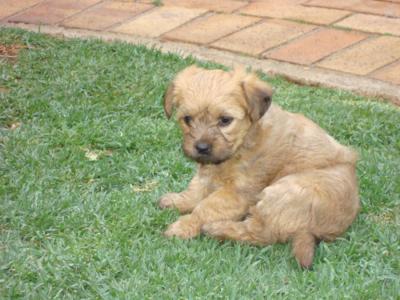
<point>264,175</point>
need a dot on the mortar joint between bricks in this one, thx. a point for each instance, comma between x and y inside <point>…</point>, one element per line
<point>146,11</point>
<point>88,8</point>
<point>236,31</point>
<point>207,14</point>
<point>21,11</point>
<point>384,66</point>
<point>342,49</point>
<point>291,40</point>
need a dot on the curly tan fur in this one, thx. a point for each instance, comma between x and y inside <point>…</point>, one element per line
<point>269,176</point>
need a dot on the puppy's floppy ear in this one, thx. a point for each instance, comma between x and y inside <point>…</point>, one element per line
<point>169,98</point>
<point>258,95</point>
<point>170,95</point>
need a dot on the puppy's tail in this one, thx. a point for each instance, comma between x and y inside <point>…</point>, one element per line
<point>303,248</point>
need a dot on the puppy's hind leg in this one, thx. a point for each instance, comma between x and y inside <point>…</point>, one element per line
<point>303,245</point>
<point>304,207</point>
<point>251,230</point>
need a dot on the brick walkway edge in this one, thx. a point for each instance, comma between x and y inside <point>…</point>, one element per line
<point>347,44</point>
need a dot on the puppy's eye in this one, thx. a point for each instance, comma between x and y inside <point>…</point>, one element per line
<point>225,121</point>
<point>187,120</point>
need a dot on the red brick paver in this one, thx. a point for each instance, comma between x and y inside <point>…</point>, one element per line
<point>366,56</point>
<point>10,7</point>
<point>53,11</point>
<point>320,42</point>
<point>372,23</point>
<point>256,39</point>
<point>159,21</point>
<point>390,73</point>
<point>384,8</point>
<point>283,10</point>
<point>315,46</point>
<point>106,15</point>
<point>209,28</point>
<point>226,6</point>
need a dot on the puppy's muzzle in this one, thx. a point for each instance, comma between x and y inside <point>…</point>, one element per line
<point>203,148</point>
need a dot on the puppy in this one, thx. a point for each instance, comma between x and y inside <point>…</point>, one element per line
<point>264,175</point>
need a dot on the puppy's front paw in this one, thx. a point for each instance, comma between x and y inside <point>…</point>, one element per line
<point>220,230</point>
<point>167,201</point>
<point>185,228</point>
<point>213,229</point>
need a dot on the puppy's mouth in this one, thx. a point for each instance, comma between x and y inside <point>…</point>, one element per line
<point>204,158</point>
<point>207,159</point>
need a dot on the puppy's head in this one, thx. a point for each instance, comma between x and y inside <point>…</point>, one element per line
<point>215,110</point>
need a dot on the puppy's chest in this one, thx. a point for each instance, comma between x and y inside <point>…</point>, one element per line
<point>252,176</point>
<point>246,176</point>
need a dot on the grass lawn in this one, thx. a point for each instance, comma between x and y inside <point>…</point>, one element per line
<point>85,153</point>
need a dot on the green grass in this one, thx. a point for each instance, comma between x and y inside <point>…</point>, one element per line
<point>77,228</point>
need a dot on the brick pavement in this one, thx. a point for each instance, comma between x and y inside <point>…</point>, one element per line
<point>357,38</point>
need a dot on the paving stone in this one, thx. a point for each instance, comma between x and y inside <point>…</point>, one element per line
<point>390,73</point>
<point>283,10</point>
<point>283,1</point>
<point>10,7</point>
<point>106,14</point>
<point>385,8</point>
<point>315,46</point>
<point>371,23</point>
<point>365,57</point>
<point>213,5</point>
<point>260,37</point>
<point>210,28</point>
<point>52,11</point>
<point>159,21</point>
<point>339,4</point>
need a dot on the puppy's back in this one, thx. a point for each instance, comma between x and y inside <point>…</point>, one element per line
<point>302,143</point>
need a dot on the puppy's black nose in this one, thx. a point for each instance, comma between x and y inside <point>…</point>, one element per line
<point>203,148</point>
